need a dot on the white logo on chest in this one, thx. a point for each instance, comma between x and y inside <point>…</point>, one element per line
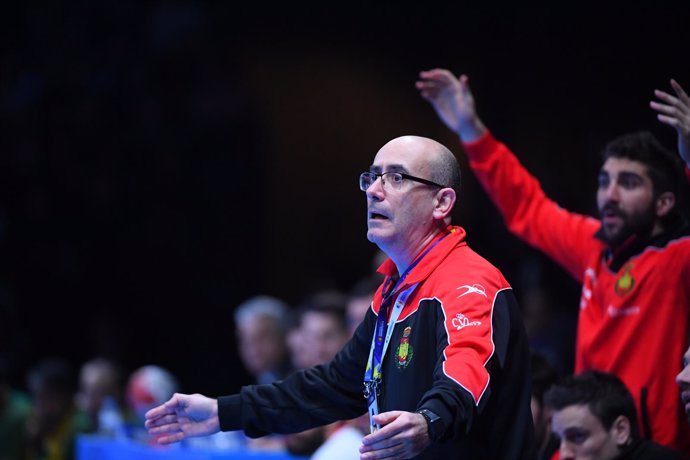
<point>474,289</point>
<point>614,312</point>
<point>461,321</point>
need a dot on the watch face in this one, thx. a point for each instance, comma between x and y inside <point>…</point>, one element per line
<point>433,423</point>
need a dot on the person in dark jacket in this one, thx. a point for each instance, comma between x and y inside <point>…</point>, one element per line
<point>594,417</point>
<point>442,351</point>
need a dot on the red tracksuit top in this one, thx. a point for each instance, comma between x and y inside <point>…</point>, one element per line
<point>634,318</point>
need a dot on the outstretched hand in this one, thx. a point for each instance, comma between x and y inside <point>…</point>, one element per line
<point>402,435</point>
<point>183,416</point>
<point>453,101</point>
<point>675,112</point>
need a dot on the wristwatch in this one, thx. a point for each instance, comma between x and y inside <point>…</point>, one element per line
<point>433,423</point>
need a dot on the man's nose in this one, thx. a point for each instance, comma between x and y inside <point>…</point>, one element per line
<point>375,190</point>
<point>566,451</point>
<point>683,377</point>
<point>611,192</point>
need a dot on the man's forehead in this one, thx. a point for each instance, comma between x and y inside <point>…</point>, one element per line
<point>575,415</point>
<point>392,167</point>
<point>400,158</point>
<point>624,165</point>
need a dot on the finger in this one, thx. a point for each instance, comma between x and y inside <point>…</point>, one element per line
<point>671,121</point>
<point>426,84</point>
<point>663,108</point>
<point>438,75</point>
<point>664,96</point>
<point>156,412</point>
<point>465,84</point>
<point>429,94</point>
<point>179,436</point>
<point>165,429</point>
<point>163,420</point>
<point>680,91</point>
<point>382,449</point>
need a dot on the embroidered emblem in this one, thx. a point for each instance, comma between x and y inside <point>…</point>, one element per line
<point>626,282</point>
<point>404,352</point>
<point>461,321</point>
<point>474,289</point>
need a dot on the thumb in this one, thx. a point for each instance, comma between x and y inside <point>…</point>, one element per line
<point>384,418</point>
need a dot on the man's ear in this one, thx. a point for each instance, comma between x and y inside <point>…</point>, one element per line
<point>621,431</point>
<point>444,201</point>
<point>664,203</point>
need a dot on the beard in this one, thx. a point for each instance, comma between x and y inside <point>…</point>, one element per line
<point>640,224</point>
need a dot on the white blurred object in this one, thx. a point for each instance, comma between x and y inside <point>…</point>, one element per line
<point>148,387</point>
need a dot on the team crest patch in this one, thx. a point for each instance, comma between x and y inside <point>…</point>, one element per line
<point>404,352</point>
<point>626,282</point>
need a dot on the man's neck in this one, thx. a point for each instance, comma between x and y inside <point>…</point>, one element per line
<point>407,257</point>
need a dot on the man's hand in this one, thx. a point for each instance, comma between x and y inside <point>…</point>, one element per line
<point>402,435</point>
<point>183,416</point>
<point>675,112</point>
<point>453,101</point>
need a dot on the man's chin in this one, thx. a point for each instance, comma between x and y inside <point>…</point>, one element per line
<point>376,236</point>
<point>616,236</point>
<point>613,237</point>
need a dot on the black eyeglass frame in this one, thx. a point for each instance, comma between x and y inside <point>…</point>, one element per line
<point>403,175</point>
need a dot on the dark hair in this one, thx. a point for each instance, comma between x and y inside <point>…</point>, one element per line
<point>605,395</point>
<point>446,170</point>
<point>331,302</point>
<point>544,374</point>
<point>666,169</point>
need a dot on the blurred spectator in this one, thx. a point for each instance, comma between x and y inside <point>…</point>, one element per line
<point>15,407</point>
<point>544,375</point>
<point>594,416</point>
<point>323,326</point>
<point>318,332</point>
<point>359,300</point>
<point>54,421</point>
<point>147,387</point>
<point>261,323</point>
<point>683,379</point>
<point>100,380</point>
<point>343,438</point>
<point>550,330</point>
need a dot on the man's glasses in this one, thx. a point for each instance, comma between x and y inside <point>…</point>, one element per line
<point>394,180</point>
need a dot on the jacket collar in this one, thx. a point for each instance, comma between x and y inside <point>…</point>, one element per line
<point>451,237</point>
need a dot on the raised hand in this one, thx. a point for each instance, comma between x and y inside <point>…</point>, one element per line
<point>453,101</point>
<point>675,112</point>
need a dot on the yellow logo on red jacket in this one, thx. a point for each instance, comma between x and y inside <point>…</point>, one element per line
<point>626,282</point>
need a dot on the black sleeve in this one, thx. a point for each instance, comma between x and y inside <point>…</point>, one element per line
<point>305,399</point>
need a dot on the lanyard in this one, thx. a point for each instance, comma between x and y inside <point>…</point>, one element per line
<point>372,376</point>
<point>382,336</point>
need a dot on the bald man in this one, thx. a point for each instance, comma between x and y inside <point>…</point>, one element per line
<point>442,352</point>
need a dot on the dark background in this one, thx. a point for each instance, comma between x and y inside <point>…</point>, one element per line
<point>162,161</point>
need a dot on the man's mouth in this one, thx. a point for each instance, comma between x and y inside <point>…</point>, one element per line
<point>376,216</point>
<point>611,215</point>
<point>685,397</point>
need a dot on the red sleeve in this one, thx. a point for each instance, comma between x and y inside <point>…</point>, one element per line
<point>564,236</point>
<point>468,314</point>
